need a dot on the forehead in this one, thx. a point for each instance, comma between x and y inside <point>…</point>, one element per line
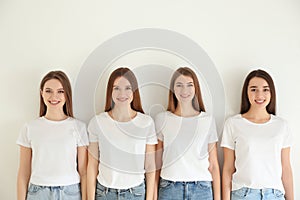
<point>184,79</point>
<point>121,81</point>
<point>257,81</point>
<point>53,83</point>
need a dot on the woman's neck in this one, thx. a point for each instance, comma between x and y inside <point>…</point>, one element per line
<point>55,115</point>
<point>122,114</point>
<point>257,115</point>
<point>186,110</point>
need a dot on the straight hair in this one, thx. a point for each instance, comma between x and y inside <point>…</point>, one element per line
<point>64,80</point>
<point>129,75</point>
<point>197,101</point>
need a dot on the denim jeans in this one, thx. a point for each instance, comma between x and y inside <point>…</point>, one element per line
<point>256,194</point>
<point>69,192</point>
<point>135,193</point>
<point>196,190</point>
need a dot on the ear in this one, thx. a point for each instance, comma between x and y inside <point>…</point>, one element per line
<point>41,92</point>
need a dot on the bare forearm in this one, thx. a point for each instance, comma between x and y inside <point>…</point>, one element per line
<point>83,185</point>
<point>226,186</point>
<point>150,185</point>
<point>216,184</point>
<point>22,186</point>
<point>287,180</point>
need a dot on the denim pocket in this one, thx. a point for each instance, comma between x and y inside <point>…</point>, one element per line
<point>164,183</point>
<point>100,190</point>
<point>72,190</point>
<point>204,184</point>
<point>278,194</point>
<point>139,190</point>
<point>34,189</point>
<point>240,193</point>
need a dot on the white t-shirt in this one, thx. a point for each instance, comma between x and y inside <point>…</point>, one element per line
<point>54,150</point>
<point>186,139</point>
<point>257,151</point>
<point>122,147</point>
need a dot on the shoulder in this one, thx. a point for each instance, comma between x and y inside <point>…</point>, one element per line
<point>142,116</point>
<point>35,122</point>
<point>278,120</point>
<point>98,118</point>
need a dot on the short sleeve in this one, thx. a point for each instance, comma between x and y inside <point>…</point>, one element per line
<point>82,137</point>
<point>151,137</point>
<point>288,139</point>
<point>23,138</point>
<point>213,137</point>
<point>93,130</point>
<point>159,124</point>
<point>227,139</point>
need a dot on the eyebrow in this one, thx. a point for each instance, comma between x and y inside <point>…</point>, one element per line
<point>266,86</point>
<point>52,89</point>
<point>182,83</point>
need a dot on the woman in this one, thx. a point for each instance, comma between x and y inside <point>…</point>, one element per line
<point>122,144</point>
<point>187,143</point>
<point>53,152</point>
<point>257,146</point>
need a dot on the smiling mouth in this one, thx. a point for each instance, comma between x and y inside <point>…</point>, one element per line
<point>54,102</point>
<point>122,99</point>
<point>259,101</point>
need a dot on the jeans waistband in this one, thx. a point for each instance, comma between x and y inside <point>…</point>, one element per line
<point>114,190</point>
<point>187,182</point>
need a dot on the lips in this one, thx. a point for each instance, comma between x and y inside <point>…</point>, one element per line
<point>122,99</point>
<point>54,102</point>
<point>260,101</point>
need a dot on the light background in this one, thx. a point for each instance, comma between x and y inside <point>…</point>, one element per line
<point>37,36</point>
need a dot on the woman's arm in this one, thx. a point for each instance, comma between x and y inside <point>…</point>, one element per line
<point>287,174</point>
<point>24,172</point>
<point>82,169</point>
<point>150,171</point>
<point>228,170</point>
<point>158,162</point>
<point>214,170</point>
<point>92,169</point>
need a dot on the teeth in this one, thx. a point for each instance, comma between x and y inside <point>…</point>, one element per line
<point>259,101</point>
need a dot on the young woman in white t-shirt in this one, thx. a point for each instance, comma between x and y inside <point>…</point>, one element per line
<point>53,147</point>
<point>186,150</point>
<point>257,146</point>
<point>122,144</point>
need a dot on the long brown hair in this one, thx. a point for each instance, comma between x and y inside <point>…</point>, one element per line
<point>129,75</point>
<point>245,104</point>
<point>63,79</point>
<point>197,101</point>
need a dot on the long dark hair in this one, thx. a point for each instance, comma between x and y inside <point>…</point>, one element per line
<point>245,104</point>
<point>63,79</point>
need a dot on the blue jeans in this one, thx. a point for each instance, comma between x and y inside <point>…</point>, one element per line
<point>196,190</point>
<point>256,194</point>
<point>135,193</point>
<point>69,192</point>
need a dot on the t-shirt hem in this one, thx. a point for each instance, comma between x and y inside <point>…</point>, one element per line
<point>54,184</point>
<point>23,144</point>
<point>227,146</point>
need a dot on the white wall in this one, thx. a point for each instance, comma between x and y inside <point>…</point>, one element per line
<point>37,36</point>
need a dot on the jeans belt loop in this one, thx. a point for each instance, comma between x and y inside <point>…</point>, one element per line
<point>130,190</point>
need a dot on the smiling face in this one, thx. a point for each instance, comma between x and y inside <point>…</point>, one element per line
<point>122,94</point>
<point>259,94</point>
<point>53,94</point>
<point>184,89</point>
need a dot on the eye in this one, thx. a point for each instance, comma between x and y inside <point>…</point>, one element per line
<point>253,89</point>
<point>128,88</point>
<point>178,85</point>
<point>48,91</point>
<point>116,88</point>
<point>266,90</point>
<point>190,85</point>
<point>61,91</point>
